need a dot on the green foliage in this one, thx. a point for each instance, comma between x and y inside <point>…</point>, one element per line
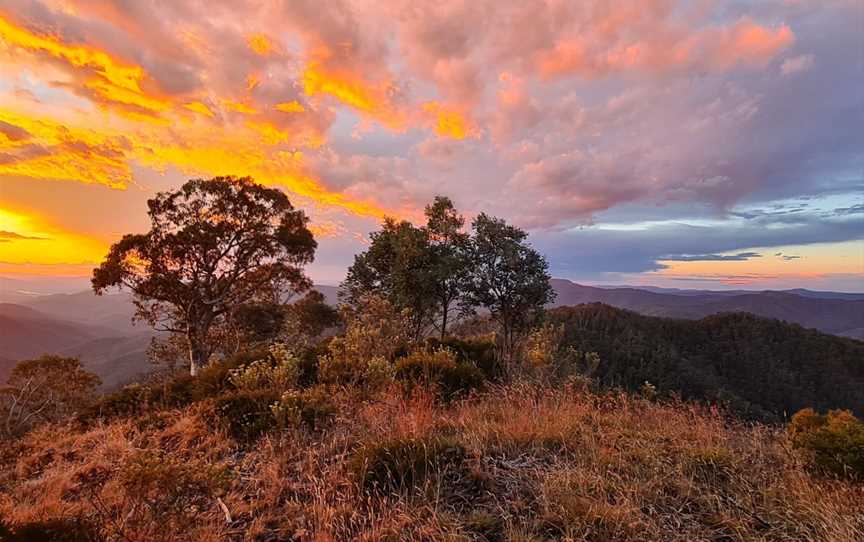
<point>258,323</point>
<point>130,400</point>
<point>213,246</point>
<point>246,414</point>
<point>308,363</point>
<point>833,443</point>
<point>756,367</point>
<point>401,464</point>
<point>440,370</point>
<point>313,407</point>
<point>216,377</point>
<point>476,351</point>
<point>171,392</point>
<point>311,315</point>
<point>396,267</point>
<point>508,278</point>
<point>279,371</point>
<point>361,357</point>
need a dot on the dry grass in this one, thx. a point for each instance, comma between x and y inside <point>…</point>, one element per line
<point>533,464</point>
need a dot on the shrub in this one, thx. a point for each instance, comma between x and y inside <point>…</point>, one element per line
<point>438,369</point>
<point>214,379</point>
<point>544,354</point>
<point>374,332</point>
<point>833,443</point>
<point>477,351</point>
<point>174,392</point>
<point>365,374</point>
<point>246,414</point>
<point>44,390</point>
<point>312,407</point>
<point>161,493</point>
<point>130,400</point>
<point>280,370</point>
<point>308,363</point>
<point>404,463</point>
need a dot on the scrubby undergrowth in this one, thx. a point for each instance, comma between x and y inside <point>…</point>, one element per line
<point>516,463</point>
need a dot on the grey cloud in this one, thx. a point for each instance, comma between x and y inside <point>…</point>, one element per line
<point>740,257</point>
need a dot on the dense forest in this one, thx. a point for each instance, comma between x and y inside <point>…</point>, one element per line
<point>758,367</point>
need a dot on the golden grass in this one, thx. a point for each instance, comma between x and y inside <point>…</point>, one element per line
<point>540,464</point>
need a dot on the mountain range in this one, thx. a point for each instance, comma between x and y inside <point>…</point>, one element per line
<point>99,329</point>
<point>830,312</point>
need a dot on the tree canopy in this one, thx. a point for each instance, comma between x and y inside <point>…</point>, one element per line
<point>439,268</point>
<point>44,389</point>
<point>213,245</point>
<point>508,278</point>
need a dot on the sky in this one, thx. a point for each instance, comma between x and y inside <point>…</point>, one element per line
<point>689,144</point>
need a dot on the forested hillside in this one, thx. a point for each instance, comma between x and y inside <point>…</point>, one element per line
<point>760,367</point>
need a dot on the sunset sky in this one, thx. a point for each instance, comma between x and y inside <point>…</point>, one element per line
<point>690,144</point>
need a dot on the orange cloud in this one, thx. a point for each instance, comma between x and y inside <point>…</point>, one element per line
<point>60,151</point>
<point>260,44</point>
<point>750,43</point>
<point>448,122</point>
<point>199,107</point>
<point>110,80</point>
<point>669,49</point>
<point>371,99</point>
<point>290,107</point>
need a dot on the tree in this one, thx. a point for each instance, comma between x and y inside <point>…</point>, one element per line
<point>45,389</point>
<point>448,244</point>
<point>397,266</point>
<point>311,315</point>
<point>508,278</point>
<point>213,245</point>
<point>417,268</point>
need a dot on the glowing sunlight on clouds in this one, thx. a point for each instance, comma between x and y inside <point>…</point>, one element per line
<point>556,115</point>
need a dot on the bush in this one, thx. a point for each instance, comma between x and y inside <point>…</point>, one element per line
<point>476,351</point>
<point>130,400</point>
<point>214,379</point>
<point>438,369</point>
<point>246,414</point>
<point>365,374</point>
<point>308,363</point>
<point>166,484</point>
<point>404,463</point>
<point>833,443</point>
<point>312,408</point>
<point>362,356</point>
<point>280,370</point>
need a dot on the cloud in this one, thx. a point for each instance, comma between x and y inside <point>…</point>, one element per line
<point>555,115</point>
<point>9,236</point>
<point>858,208</point>
<point>740,257</point>
<point>797,64</point>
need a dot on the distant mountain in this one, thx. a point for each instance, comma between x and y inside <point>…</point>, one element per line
<point>836,315</point>
<point>22,289</point>
<point>760,367</point>
<point>729,293</point>
<point>113,310</point>
<point>96,329</point>
<point>27,333</point>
